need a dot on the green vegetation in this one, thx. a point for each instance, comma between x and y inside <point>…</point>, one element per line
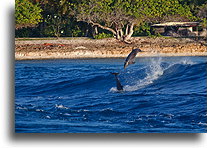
<point>103,35</point>
<point>102,18</point>
<point>202,14</point>
<point>27,14</point>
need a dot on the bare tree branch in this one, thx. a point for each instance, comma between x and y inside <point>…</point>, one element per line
<point>103,27</point>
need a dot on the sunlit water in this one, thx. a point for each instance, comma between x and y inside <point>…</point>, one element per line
<point>77,96</point>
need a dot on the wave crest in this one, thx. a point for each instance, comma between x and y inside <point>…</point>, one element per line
<point>156,69</point>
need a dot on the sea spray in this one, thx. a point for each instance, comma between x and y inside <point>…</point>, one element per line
<point>186,61</point>
<point>153,72</point>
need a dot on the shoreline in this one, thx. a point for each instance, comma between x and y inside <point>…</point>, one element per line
<point>104,57</point>
<point>80,48</point>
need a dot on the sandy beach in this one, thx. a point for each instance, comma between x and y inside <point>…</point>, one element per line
<point>72,48</point>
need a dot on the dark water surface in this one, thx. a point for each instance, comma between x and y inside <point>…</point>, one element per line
<point>160,95</point>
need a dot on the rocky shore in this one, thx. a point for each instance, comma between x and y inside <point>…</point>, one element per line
<point>105,48</point>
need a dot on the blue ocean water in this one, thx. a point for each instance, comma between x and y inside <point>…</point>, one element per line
<point>161,95</point>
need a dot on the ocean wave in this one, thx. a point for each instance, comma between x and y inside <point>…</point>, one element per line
<point>160,95</point>
<point>161,72</point>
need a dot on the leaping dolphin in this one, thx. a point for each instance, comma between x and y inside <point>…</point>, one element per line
<point>131,57</point>
<point>118,84</point>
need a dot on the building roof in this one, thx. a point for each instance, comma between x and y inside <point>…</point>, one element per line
<point>178,24</point>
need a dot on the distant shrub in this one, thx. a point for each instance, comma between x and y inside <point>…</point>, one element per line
<point>102,35</point>
<point>155,35</point>
<point>27,32</point>
<point>142,30</point>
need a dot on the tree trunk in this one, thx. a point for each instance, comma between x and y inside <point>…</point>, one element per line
<point>121,33</point>
<point>94,31</point>
<point>86,32</point>
<point>129,32</point>
<point>117,35</point>
<point>127,29</point>
<point>118,32</point>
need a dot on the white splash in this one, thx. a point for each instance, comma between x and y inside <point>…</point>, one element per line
<point>60,106</point>
<point>185,61</point>
<point>48,117</point>
<point>154,72</point>
<point>113,89</point>
<point>200,123</point>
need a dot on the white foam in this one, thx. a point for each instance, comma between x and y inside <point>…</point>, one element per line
<point>39,110</point>
<point>67,114</point>
<point>22,108</point>
<point>60,106</point>
<point>185,61</point>
<point>48,117</point>
<point>200,123</point>
<point>113,89</point>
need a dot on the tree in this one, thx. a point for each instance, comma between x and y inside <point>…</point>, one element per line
<point>57,14</point>
<point>120,16</point>
<point>107,14</point>
<point>27,14</point>
<point>202,14</point>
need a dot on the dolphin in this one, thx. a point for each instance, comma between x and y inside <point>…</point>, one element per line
<point>131,57</point>
<point>118,84</point>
